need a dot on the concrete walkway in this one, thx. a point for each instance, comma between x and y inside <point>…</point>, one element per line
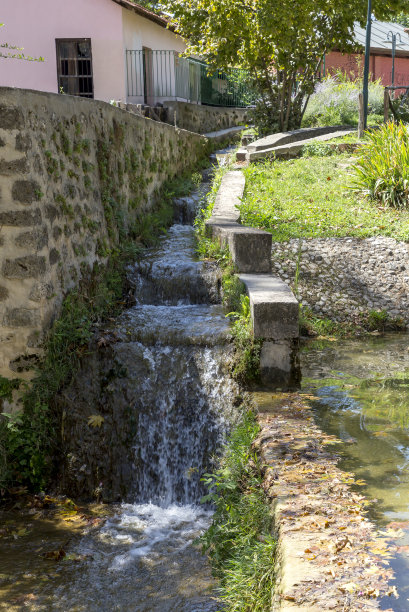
<point>274,309</point>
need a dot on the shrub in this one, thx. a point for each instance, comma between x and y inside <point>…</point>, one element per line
<point>335,101</point>
<point>382,169</point>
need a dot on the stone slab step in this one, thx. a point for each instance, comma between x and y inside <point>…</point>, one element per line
<point>274,309</point>
<point>241,154</point>
<point>294,148</point>
<point>250,248</point>
<point>275,140</point>
<point>221,134</point>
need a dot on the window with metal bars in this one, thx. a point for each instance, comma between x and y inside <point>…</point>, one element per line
<point>74,67</point>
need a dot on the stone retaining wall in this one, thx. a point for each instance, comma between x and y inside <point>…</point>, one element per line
<point>341,278</point>
<point>203,119</point>
<point>73,172</point>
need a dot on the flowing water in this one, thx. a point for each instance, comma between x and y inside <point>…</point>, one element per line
<point>173,345</point>
<point>362,397</point>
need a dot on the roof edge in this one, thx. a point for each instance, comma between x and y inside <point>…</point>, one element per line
<point>144,12</point>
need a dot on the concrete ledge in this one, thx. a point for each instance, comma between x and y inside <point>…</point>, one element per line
<point>222,134</point>
<point>274,309</point>
<point>229,197</point>
<point>293,149</point>
<point>274,140</point>
<point>250,248</point>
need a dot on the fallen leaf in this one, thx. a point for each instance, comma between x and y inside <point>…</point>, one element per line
<point>95,420</point>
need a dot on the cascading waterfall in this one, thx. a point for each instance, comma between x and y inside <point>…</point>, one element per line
<point>173,345</point>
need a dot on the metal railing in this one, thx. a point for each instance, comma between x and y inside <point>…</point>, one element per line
<point>154,76</point>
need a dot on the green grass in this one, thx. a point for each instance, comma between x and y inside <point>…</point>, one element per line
<point>310,197</point>
<point>240,541</point>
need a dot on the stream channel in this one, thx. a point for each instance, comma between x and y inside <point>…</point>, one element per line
<point>174,345</point>
<point>362,397</point>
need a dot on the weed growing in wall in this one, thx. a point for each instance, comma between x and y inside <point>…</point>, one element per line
<point>239,541</point>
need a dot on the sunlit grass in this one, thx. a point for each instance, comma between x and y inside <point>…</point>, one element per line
<point>311,197</point>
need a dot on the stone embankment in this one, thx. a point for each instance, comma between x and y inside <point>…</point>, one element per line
<point>330,556</point>
<point>340,278</point>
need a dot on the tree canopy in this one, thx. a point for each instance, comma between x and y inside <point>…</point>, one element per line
<point>280,42</point>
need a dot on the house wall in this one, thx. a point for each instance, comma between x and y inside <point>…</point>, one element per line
<point>70,168</point>
<point>139,32</point>
<point>35,24</point>
<point>380,66</point>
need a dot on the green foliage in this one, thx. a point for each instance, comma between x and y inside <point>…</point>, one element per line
<point>239,541</point>
<point>246,366</point>
<point>311,325</point>
<point>310,197</point>
<point>7,386</point>
<point>317,149</point>
<point>287,40</point>
<point>31,438</point>
<point>15,52</point>
<point>335,101</point>
<point>382,168</point>
<point>377,320</point>
<point>366,321</point>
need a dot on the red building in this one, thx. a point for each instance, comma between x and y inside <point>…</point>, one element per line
<point>381,55</point>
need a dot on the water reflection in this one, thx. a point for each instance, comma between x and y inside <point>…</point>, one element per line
<point>361,396</point>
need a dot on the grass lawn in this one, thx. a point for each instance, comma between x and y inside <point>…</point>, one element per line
<point>310,197</point>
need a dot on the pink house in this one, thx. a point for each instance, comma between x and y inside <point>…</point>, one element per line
<point>103,49</point>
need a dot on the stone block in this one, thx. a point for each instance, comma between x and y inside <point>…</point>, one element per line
<point>57,231</point>
<point>241,155</point>
<point>23,142</point>
<point>4,293</point>
<point>250,249</point>
<point>279,364</point>
<point>53,257</point>
<point>21,218</point>
<point>14,166</point>
<point>52,212</point>
<point>275,361</point>
<point>2,142</point>
<point>11,118</point>
<point>274,309</point>
<point>31,266</point>
<point>26,192</point>
<point>34,240</point>
<point>282,138</point>
<point>41,291</point>
<point>20,317</point>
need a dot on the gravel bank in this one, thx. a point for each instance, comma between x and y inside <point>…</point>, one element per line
<point>340,277</point>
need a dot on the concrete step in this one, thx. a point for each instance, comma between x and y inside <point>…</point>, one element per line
<point>293,149</point>
<point>275,140</point>
<point>222,134</point>
<point>274,309</point>
<point>250,248</point>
